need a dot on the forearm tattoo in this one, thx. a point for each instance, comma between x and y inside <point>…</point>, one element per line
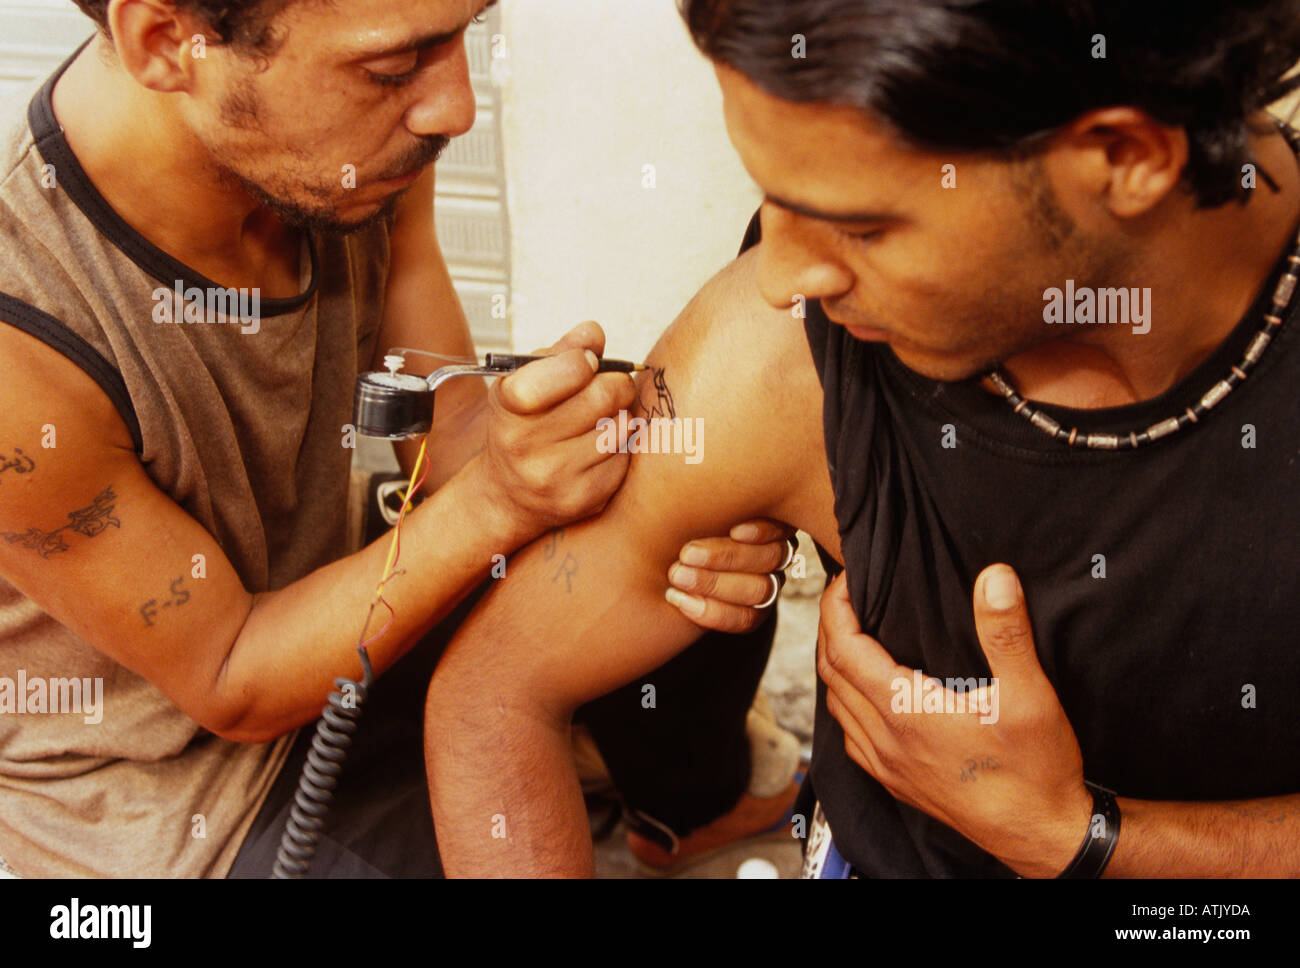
<point>568,564</point>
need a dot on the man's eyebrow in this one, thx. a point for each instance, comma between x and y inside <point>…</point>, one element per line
<point>810,212</point>
<point>420,42</point>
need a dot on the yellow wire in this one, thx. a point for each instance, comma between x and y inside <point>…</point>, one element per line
<point>406,503</point>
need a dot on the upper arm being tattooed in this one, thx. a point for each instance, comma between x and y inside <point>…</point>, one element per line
<point>90,520</point>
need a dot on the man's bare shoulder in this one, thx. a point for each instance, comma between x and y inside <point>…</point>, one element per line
<point>729,338</point>
<point>743,370</point>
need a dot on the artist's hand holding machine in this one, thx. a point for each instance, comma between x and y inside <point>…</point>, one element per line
<point>542,464</point>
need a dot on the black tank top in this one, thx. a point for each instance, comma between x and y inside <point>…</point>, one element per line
<point>1179,670</point>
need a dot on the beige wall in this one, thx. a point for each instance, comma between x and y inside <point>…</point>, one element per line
<point>595,90</point>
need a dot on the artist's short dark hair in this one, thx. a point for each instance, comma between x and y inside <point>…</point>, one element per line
<point>989,75</point>
<point>246,25</point>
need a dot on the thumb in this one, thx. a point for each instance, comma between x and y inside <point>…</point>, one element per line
<point>1002,624</point>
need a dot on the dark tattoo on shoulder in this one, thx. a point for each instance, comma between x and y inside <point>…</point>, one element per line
<point>91,520</point>
<point>178,596</point>
<point>19,464</point>
<point>568,563</point>
<point>661,405</point>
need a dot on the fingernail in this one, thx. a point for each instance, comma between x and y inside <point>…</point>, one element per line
<point>693,554</point>
<point>593,359</point>
<point>681,576</point>
<point>745,532</point>
<point>689,604</point>
<point>1001,589</point>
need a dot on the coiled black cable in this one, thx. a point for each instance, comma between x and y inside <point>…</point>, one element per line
<point>320,774</point>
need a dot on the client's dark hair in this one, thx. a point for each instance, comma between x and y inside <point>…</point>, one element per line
<point>989,75</point>
<point>243,24</point>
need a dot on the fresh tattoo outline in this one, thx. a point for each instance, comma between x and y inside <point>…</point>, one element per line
<point>663,405</point>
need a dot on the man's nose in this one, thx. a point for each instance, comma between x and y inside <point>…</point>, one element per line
<point>798,259</point>
<point>445,104</point>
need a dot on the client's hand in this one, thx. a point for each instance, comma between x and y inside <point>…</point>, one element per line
<point>730,584</point>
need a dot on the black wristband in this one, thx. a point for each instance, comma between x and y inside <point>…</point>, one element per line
<point>1099,841</point>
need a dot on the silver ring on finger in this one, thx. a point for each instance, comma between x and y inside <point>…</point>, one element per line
<point>776,590</point>
<point>791,546</point>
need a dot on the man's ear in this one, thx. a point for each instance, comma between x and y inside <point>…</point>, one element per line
<point>154,42</point>
<point>1121,157</point>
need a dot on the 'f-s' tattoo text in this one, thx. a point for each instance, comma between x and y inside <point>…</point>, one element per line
<point>179,596</point>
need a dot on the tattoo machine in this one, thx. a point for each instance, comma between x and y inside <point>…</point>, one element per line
<point>393,405</point>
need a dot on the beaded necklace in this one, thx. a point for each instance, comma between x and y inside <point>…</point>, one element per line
<point>1272,323</point>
